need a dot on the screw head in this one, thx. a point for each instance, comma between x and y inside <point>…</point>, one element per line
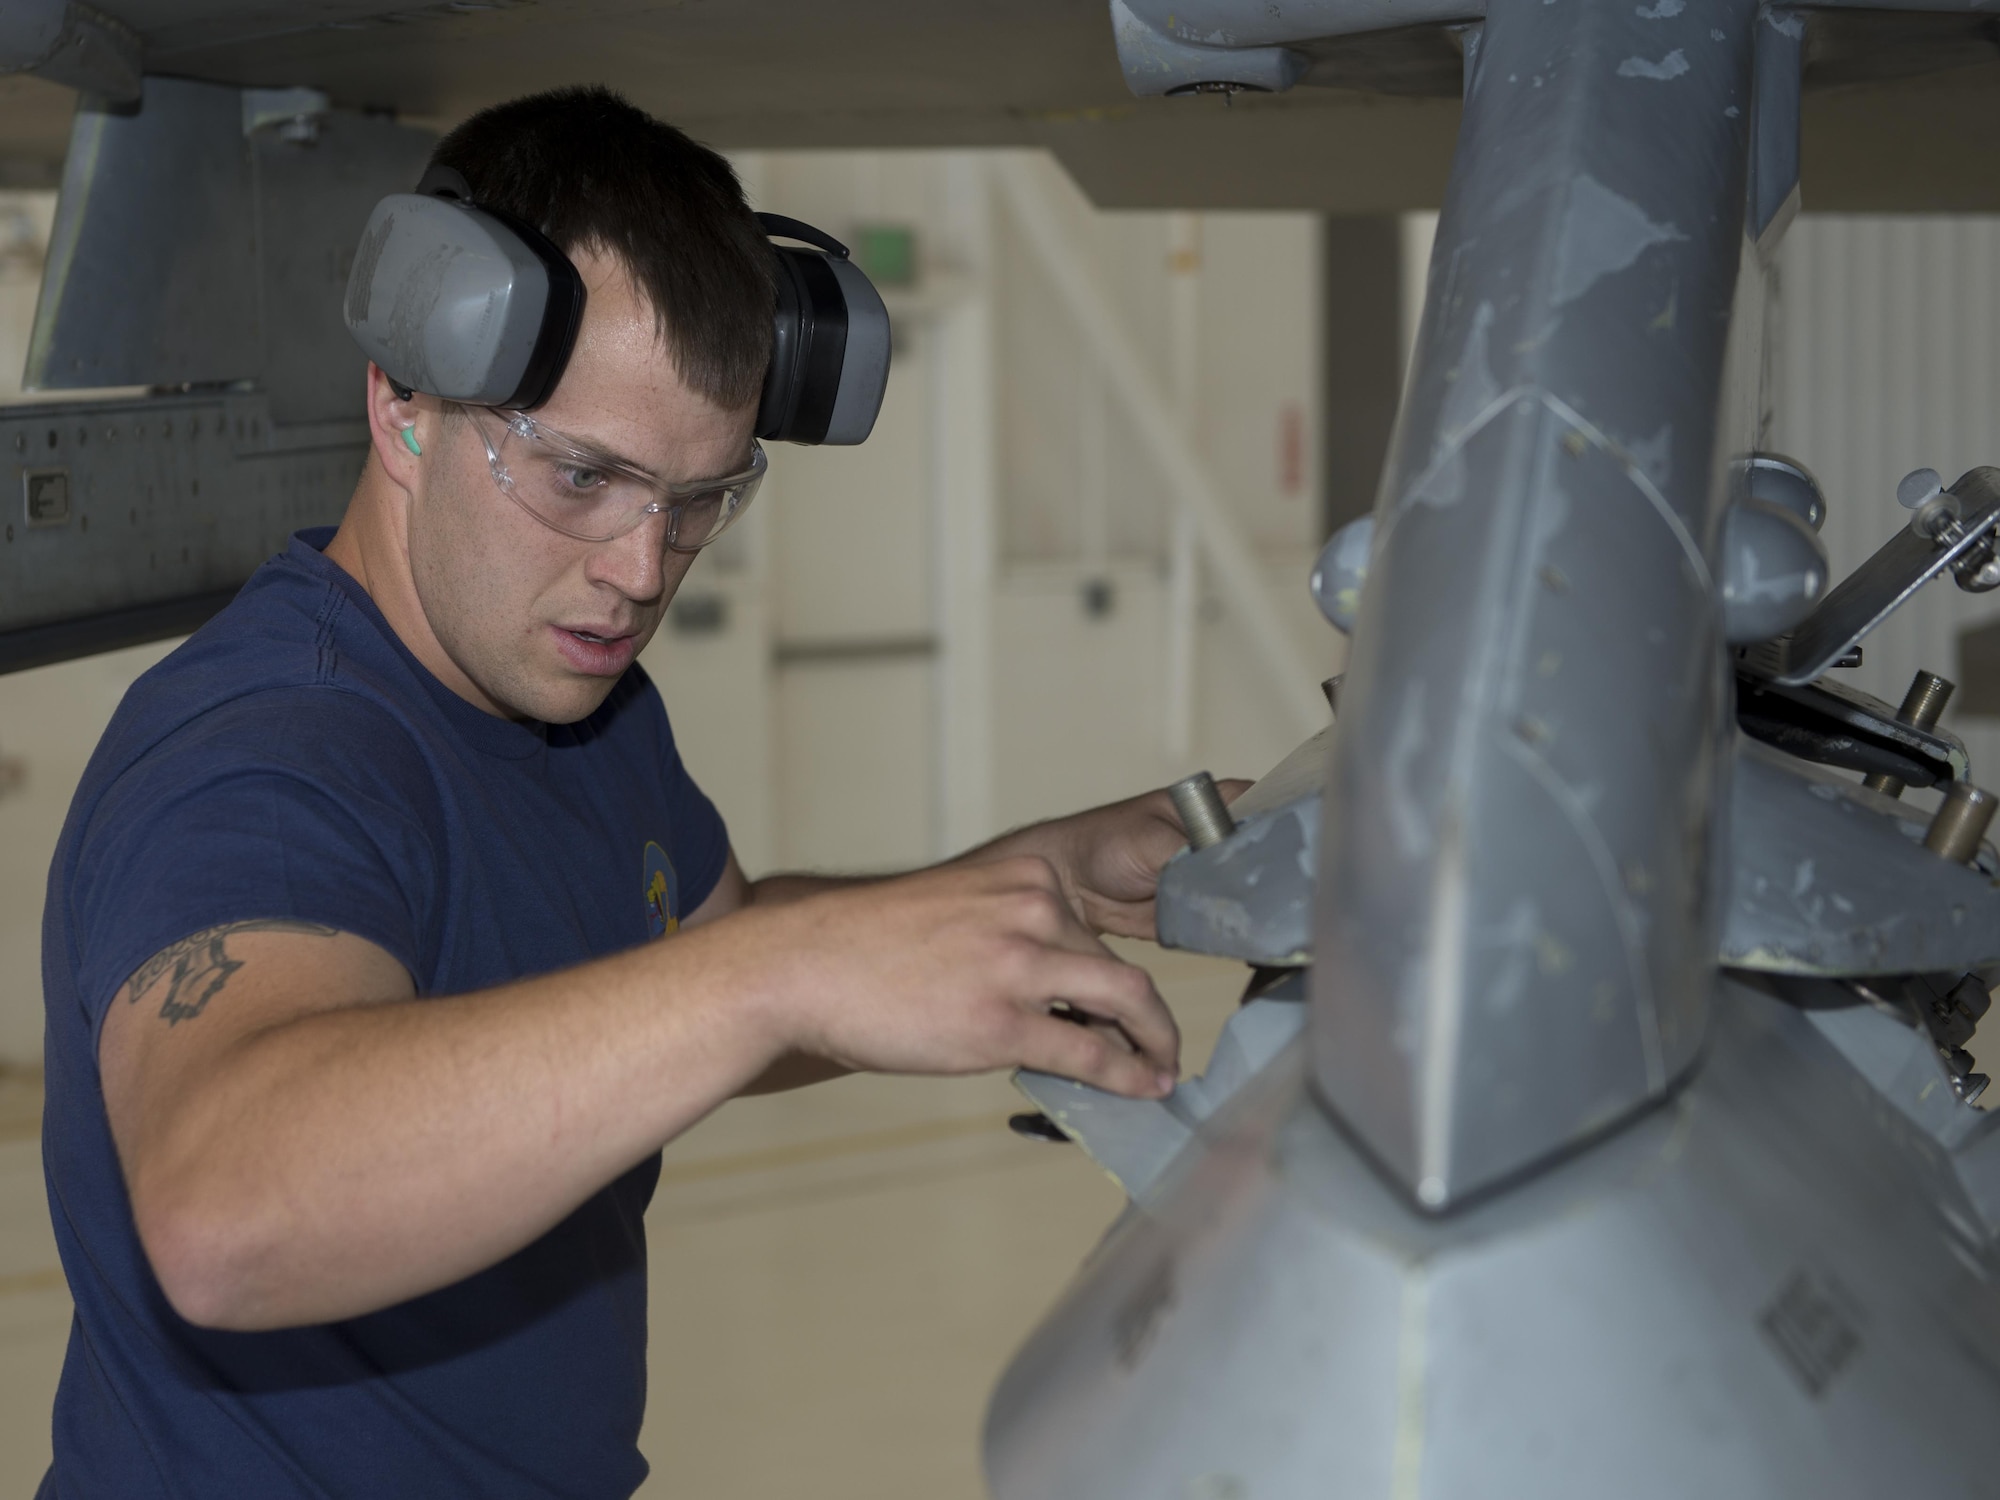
<point>1918,488</point>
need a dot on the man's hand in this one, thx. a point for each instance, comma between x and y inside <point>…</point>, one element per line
<point>963,969</point>
<point>1108,860</point>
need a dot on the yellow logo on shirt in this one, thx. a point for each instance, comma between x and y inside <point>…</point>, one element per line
<point>663,894</point>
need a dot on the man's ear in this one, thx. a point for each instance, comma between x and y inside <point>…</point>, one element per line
<point>399,429</point>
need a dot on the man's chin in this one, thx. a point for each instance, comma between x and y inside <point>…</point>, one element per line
<point>566,703</point>
<point>552,698</point>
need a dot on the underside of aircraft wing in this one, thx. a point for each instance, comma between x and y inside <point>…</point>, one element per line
<point>1893,116</point>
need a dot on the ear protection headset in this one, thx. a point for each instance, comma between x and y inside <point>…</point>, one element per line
<point>473,305</point>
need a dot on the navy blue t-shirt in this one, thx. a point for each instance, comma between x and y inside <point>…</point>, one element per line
<point>293,759</point>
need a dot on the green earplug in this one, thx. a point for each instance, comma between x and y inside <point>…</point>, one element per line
<point>410,441</point>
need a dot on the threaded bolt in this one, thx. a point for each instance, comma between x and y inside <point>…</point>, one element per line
<point>1203,813</point>
<point>1922,706</point>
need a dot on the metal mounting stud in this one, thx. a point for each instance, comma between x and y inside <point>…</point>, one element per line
<point>1922,706</point>
<point>1202,811</point>
<point>1960,822</point>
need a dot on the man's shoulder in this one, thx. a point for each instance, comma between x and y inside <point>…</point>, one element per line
<point>293,662</point>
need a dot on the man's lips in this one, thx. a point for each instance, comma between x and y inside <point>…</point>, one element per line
<point>603,651</point>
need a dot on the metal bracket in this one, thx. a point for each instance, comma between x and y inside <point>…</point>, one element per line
<point>1829,879</point>
<point>1136,1140</point>
<point>1873,591</point>
<point>128,521</point>
<point>1834,725</point>
<point>1157,61</point>
<point>1825,877</point>
<point>1774,128</point>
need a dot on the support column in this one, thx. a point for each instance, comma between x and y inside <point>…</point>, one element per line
<point>965,488</point>
<point>1515,929</point>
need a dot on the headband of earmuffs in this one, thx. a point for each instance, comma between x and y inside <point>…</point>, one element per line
<point>462,302</point>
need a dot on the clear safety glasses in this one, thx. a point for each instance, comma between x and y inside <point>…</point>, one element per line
<point>584,492</point>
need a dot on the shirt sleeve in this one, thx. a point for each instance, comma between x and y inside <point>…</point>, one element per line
<point>700,837</point>
<point>303,805</point>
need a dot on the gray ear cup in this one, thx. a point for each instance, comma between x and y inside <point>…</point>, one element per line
<point>457,302</point>
<point>864,369</point>
<point>460,302</point>
<point>830,350</point>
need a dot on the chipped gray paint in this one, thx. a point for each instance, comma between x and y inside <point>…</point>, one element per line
<point>1160,54</point>
<point>1672,66</point>
<point>1250,896</point>
<point>1774,571</point>
<point>1264,24</point>
<point>1473,398</point>
<point>1832,879</point>
<point>1338,572</point>
<point>1136,1141</point>
<point>1602,233</point>
<point>1654,457</point>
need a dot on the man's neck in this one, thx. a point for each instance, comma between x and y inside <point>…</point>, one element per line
<point>372,548</point>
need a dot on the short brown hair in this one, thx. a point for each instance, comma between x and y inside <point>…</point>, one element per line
<point>592,172</point>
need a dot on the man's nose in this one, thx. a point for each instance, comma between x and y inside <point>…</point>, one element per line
<point>635,563</point>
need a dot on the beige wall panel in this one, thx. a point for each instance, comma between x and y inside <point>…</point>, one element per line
<point>1259,327</point>
<point>1133,252</point>
<point>1256,301</point>
<point>1078,715</point>
<point>1241,728</point>
<point>1080,702</point>
<point>838,190</point>
<point>851,539</point>
<point>855,753</point>
<point>1045,387</point>
<point>718,687</point>
<point>50,721</point>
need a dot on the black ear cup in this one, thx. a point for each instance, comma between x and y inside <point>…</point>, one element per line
<point>808,347</point>
<point>830,343</point>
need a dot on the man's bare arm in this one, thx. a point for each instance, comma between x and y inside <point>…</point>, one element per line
<point>304,1141</point>
<point>1106,861</point>
<point>733,892</point>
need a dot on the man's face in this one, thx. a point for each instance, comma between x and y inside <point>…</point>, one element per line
<point>543,624</point>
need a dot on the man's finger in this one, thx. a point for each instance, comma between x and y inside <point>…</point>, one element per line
<point>1049,919</point>
<point>1107,989</point>
<point>1089,1056</point>
<point>1132,919</point>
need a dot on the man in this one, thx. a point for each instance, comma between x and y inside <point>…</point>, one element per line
<point>360,1060</point>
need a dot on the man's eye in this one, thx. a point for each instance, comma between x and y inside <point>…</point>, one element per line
<point>576,477</point>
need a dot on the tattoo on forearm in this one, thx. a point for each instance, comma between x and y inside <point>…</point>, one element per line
<point>197,967</point>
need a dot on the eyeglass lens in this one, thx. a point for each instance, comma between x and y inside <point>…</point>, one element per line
<point>597,504</point>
